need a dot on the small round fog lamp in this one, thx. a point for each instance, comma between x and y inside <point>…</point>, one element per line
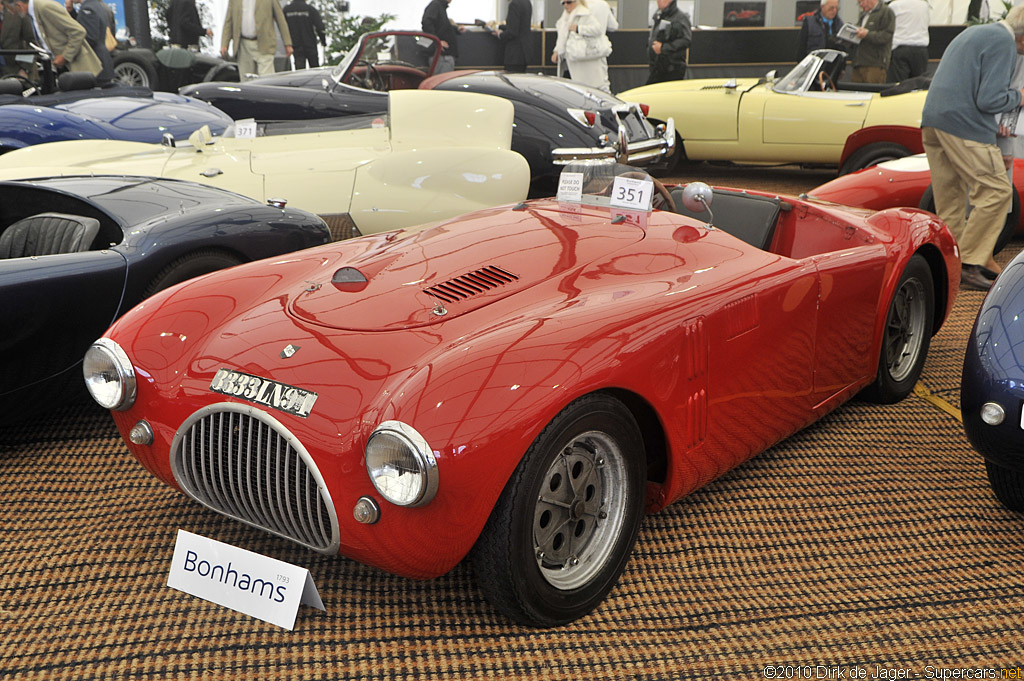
<point>401,464</point>
<point>992,413</point>
<point>109,375</point>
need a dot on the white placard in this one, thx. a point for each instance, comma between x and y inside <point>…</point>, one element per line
<point>632,192</point>
<point>245,129</point>
<point>570,187</point>
<point>255,585</point>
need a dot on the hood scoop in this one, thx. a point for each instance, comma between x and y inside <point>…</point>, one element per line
<point>471,284</point>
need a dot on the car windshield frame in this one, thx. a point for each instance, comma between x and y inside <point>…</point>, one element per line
<point>801,76</point>
<point>341,74</point>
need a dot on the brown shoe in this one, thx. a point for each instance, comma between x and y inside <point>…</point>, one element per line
<point>972,278</point>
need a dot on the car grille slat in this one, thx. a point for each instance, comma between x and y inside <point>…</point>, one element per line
<point>471,284</point>
<point>243,463</point>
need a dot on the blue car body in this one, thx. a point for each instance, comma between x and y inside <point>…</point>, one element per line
<point>131,114</point>
<point>993,381</point>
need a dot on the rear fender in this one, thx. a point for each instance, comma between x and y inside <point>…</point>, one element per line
<point>903,135</point>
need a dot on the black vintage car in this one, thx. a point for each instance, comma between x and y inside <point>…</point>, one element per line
<point>78,252</point>
<point>556,120</point>
<point>169,68</point>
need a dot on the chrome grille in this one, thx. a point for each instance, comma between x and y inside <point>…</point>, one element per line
<point>471,284</point>
<point>243,463</point>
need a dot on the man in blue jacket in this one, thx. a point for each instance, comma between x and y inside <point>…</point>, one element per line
<point>958,129</point>
<point>818,30</point>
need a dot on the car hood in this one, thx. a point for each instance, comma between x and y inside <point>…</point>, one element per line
<point>145,120</point>
<point>83,157</point>
<point>408,280</point>
<point>702,84</point>
<point>546,90</point>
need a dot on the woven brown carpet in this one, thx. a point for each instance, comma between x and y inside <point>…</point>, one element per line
<point>870,539</point>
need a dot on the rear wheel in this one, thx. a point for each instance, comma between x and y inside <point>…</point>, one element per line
<point>132,70</point>
<point>564,527</point>
<point>188,267</point>
<point>907,334</point>
<point>873,154</point>
<point>1009,227</point>
<point>1007,484</point>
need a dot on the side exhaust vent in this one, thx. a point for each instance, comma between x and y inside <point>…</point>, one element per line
<point>473,283</point>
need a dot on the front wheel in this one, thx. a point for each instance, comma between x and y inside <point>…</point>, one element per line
<point>1007,484</point>
<point>907,334</point>
<point>188,267</point>
<point>133,71</point>
<point>873,154</point>
<point>564,527</point>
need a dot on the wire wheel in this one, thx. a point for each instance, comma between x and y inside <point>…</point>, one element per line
<point>580,510</point>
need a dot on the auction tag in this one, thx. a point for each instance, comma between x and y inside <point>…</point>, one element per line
<point>245,129</point>
<point>255,585</point>
<point>570,187</point>
<point>632,192</point>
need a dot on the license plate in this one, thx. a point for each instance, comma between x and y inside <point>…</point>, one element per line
<point>263,391</point>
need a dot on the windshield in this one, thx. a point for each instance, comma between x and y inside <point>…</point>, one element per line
<point>606,183</point>
<point>411,50</point>
<point>799,79</point>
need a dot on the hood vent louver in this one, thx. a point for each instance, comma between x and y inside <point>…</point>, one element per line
<point>473,283</point>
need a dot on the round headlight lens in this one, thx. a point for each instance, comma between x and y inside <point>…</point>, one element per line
<point>109,375</point>
<point>992,413</point>
<point>401,464</point>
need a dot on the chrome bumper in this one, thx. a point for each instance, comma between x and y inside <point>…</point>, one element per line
<point>643,152</point>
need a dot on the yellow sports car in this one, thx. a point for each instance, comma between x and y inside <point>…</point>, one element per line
<point>799,118</point>
<point>430,156</point>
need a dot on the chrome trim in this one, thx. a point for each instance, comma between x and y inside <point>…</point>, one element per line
<point>125,373</point>
<point>641,152</point>
<point>243,463</point>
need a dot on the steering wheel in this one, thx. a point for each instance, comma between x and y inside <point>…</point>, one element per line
<point>371,78</point>
<point>825,83</point>
<point>667,202</point>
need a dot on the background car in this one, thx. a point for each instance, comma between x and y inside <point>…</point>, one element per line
<point>524,381</point>
<point>116,113</point>
<point>433,156</point>
<point>799,118</point>
<point>77,252</point>
<point>992,385</point>
<point>556,120</point>
<point>907,182</point>
<point>169,68</point>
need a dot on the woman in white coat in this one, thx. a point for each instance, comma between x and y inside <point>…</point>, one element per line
<point>583,45</point>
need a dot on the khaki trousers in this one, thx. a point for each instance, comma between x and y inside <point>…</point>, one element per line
<point>868,74</point>
<point>251,61</point>
<point>961,170</point>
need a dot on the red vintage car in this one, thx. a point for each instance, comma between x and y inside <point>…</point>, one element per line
<point>521,384</point>
<point>907,182</point>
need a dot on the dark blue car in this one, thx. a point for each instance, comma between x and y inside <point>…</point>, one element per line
<point>992,387</point>
<point>118,113</point>
<point>78,252</point>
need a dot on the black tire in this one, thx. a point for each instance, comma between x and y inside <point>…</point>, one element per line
<point>589,461</point>
<point>1008,486</point>
<point>873,154</point>
<point>133,70</point>
<point>1009,227</point>
<point>188,267</point>
<point>909,323</point>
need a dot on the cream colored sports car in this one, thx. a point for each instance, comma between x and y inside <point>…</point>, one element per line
<point>430,156</point>
<point>801,117</point>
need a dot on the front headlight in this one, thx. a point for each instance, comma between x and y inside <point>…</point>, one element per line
<point>109,375</point>
<point>401,464</point>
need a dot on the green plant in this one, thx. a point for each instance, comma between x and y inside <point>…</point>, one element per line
<point>343,31</point>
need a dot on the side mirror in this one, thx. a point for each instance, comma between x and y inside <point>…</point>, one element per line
<point>697,198</point>
<point>771,76</point>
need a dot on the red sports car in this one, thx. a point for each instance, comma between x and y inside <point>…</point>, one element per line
<point>521,384</point>
<point>907,182</point>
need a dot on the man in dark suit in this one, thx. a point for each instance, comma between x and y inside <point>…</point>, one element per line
<point>514,35</point>
<point>184,24</point>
